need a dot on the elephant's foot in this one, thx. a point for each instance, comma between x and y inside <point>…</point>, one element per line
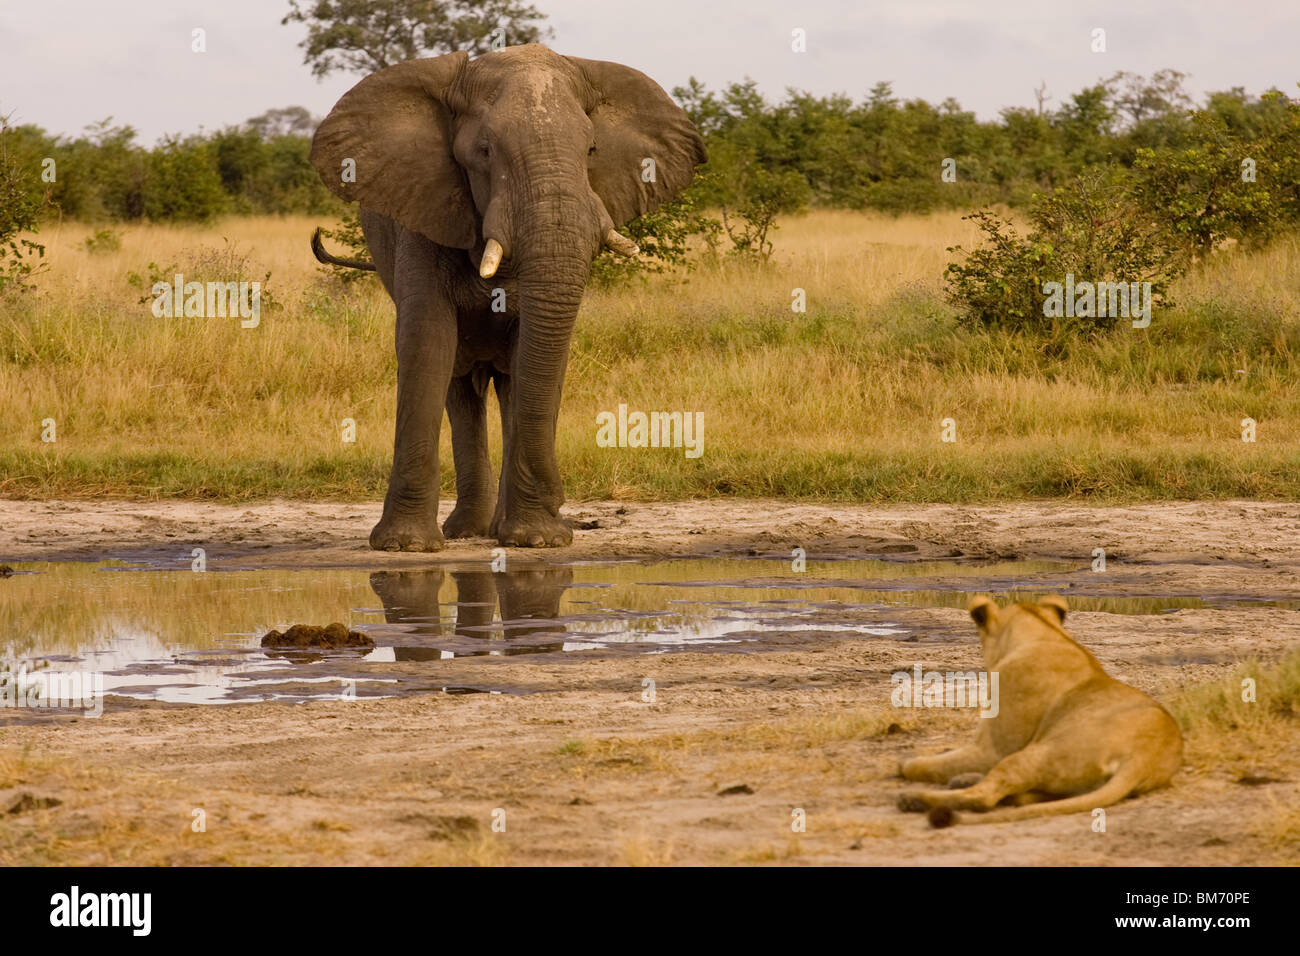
<point>498,516</point>
<point>405,532</point>
<point>534,531</point>
<point>468,520</point>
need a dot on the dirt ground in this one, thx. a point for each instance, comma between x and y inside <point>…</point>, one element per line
<point>732,749</point>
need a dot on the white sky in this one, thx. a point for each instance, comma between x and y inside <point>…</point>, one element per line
<point>67,63</point>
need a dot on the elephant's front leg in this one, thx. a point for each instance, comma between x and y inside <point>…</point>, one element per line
<point>426,351</point>
<point>531,489</point>
<point>467,412</point>
<point>501,382</point>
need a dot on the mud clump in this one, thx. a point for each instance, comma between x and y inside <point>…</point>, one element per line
<point>941,817</point>
<point>309,635</point>
<point>17,802</point>
<point>443,826</point>
<point>6,571</point>
<point>738,789</point>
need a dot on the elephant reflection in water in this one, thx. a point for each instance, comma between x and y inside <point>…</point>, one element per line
<point>411,597</point>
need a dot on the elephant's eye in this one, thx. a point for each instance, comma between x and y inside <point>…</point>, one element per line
<point>592,149</point>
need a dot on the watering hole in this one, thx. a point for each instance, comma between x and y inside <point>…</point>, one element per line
<point>184,637</point>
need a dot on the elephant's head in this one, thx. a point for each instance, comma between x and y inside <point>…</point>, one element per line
<point>521,155</point>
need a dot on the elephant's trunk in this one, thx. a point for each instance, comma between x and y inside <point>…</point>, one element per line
<point>548,307</point>
<point>558,235</point>
<point>550,294</point>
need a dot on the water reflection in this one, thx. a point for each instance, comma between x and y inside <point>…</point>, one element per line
<point>528,604</point>
<point>177,635</point>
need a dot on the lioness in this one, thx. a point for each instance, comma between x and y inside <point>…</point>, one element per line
<point>1064,728</point>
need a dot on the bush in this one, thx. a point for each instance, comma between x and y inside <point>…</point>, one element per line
<point>183,183</point>
<point>206,264</point>
<point>101,175</point>
<point>20,208</point>
<point>664,238</point>
<point>1227,183</point>
<point>103,242</point>
<point>760,196</point>
<point>750,195</point>
<point>1094,229</point>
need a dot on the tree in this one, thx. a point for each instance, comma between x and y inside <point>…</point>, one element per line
<point>287,121</point>
<point>361,36</point>
<point>20,207</point>
<point>183,183</point>
<point>1223,185</point>
<point>1143,100</point>
<point>1087,125</point>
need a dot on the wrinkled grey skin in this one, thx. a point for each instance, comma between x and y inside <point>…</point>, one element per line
<point>544,154</point>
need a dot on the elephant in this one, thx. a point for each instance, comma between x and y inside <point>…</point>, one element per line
<point>486,188</point>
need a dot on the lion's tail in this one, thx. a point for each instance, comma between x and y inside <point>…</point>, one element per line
<point>318,247</point>
<point>1125,781</point>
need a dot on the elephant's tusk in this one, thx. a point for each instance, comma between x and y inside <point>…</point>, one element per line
<point>620,244</point>
<point>491,259</point>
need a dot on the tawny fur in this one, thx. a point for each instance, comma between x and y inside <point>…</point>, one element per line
<point>1067,737</point>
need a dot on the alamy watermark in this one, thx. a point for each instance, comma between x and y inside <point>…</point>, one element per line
<point>75,908</point>
<point>922,688</point>
<point>651,430</point>
<point>43,688</point>
<point>1116,300</point>
<point>208,300</point>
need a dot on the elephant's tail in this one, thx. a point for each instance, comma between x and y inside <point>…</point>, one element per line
<point>318,248</point>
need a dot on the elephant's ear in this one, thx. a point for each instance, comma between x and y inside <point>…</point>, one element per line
<point>636,121</point>
<point>387,145</point>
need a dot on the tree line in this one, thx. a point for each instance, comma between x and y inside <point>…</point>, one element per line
<point>881,152</point>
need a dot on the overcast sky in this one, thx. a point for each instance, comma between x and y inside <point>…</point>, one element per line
<point>67,63</point>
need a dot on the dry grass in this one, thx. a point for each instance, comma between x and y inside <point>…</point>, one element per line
<point>122,816</point>
<point>1281,828</point>
<point>641,850</point>
<point>1245,721</point>
<point>843,402</point>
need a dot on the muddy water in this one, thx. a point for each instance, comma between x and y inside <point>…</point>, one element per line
<point>187,637</point>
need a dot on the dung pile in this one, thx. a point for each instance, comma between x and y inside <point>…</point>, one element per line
<point>309,635</point>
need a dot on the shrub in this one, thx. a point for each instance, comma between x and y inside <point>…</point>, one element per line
<point>20,208</point>
<point>206,264</point>
<point>1094,229</point>
<point>103,241</point>
<point>183,183</point>
<point>664,238</point>
<point>1227,183</point>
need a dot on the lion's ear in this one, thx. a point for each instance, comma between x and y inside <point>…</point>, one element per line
<point>983,609</point>
<point>1055,604</point>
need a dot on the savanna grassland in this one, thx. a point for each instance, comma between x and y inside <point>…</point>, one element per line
<point>842,402</point>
